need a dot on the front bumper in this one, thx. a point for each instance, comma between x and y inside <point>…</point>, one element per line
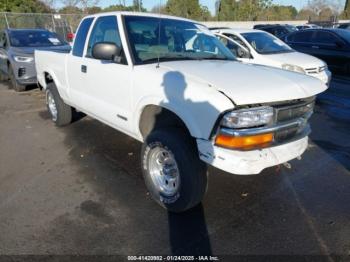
<point>249,162</point>
<point>27,80</point>
<point>25,73</point>
<point>290,130</point>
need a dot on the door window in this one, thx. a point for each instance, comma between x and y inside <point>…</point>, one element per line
<point>80,38</point>
<point>301,37</point>
<point>104,30</point>
<point>325,38</point>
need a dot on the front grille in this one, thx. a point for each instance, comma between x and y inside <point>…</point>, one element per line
<point>286,134</point>
<point>287,113</point>
<point>299,111</point>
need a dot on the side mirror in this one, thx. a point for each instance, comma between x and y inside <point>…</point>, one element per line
<point>106,51</point>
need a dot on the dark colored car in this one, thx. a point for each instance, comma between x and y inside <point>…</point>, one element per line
<point>330,45</point>
<point>258,26</point>
<point>344,26</point>
<point>17,48</point>
<point>279,31</point>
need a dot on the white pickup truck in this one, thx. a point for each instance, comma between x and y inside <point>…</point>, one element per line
<point>171,84</point>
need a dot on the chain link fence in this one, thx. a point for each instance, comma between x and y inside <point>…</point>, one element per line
<point>62,24</point>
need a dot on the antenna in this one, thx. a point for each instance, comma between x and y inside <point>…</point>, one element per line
<point>159,24</point>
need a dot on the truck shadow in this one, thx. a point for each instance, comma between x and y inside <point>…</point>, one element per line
<point>189,227</point>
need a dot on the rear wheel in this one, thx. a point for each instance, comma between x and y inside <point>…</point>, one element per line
<point>60,112</point>
<point>14,84</point>
<point>174,175</point>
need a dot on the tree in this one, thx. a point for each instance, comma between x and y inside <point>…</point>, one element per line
<point>94,10</point>
<point>28,6</point>
<point>49,3</point>
<point>205,14</point>
<point>242,10</point>
<point>278,13</point>
<point>326,14</point>
<point>119,7</point>
<point>137,5</point>
<point>306,14</point>
<point>159,9</point>
<point>184,8</point>
<point>85,4</point>
<point>70,2</point>
<point>70,10</point>
<point>346,13</point>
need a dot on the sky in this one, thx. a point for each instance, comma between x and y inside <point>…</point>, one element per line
<point>209,3</point>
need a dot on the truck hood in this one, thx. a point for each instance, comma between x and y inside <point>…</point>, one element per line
<point>295,58</point>
<point>248,84</point>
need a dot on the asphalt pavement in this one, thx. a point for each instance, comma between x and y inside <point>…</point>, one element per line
<point>78,190</point>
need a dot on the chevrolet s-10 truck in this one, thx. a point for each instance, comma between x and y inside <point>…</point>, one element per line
<point>171,84</point>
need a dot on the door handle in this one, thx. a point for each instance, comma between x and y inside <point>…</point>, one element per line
<point>315,46</point>
<point>83,68</point>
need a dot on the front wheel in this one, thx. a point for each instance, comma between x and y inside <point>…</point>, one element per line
<point>174,175</point>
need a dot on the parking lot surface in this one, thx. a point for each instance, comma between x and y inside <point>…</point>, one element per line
<point>79,190</point>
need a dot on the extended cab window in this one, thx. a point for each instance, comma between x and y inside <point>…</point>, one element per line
<point>80,38</point>
<point>104,30</point>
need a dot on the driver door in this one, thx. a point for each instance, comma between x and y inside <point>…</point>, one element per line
<point>108,83</point>
<point>102,88</point>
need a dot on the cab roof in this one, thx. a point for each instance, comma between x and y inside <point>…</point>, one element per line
<point>144,14</point>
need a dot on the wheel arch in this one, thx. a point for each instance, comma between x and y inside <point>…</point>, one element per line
<point>157,115</point>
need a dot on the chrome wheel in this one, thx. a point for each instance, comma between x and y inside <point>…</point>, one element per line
<point>51,105</point>
<point>164,171</point>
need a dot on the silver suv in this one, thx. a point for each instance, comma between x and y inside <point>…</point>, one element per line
<point>17,48</point>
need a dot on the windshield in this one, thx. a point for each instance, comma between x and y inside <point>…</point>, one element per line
<point>27,38</point>
<point>151,38</point>
<point>264,43</point>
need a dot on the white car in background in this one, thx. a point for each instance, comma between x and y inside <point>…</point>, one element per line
<point>259,47</point>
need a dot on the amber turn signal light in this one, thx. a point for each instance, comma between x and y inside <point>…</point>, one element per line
<point>244,142</point>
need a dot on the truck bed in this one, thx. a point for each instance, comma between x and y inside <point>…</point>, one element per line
<point>53,63</point>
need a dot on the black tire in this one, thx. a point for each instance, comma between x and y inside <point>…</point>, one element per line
<point>13,82</point>
<point>64,111</point>
<point>3,76</point>
<point>192,171</point>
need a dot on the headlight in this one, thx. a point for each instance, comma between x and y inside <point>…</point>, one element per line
<point>25,59</point>
<point>293,68</point>
<point>257,116</point>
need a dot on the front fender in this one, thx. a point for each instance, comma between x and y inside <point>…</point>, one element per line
<point>199,117</point>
